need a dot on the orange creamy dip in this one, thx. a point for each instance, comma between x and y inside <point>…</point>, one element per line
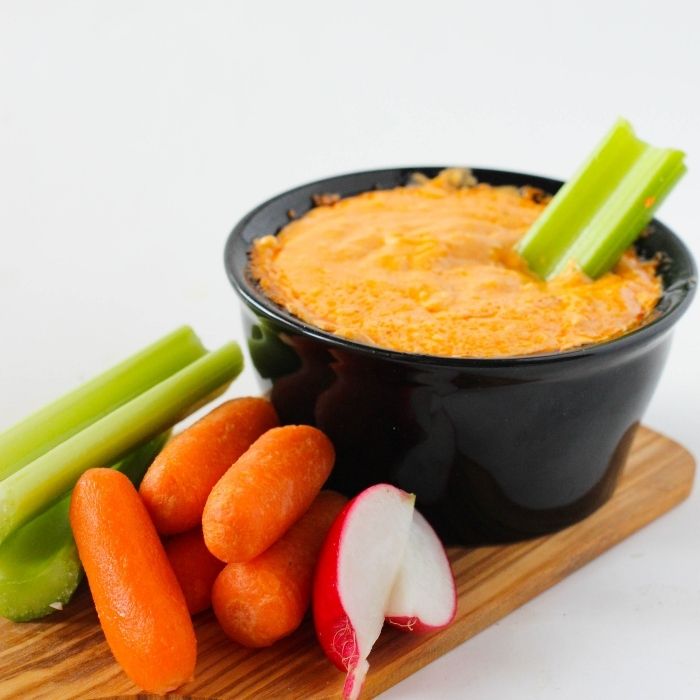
<point>431,269</point>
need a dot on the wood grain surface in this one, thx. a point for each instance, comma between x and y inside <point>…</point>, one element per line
<point>66,656</point>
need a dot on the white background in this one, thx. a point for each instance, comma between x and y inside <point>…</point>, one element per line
<point>133,135</point>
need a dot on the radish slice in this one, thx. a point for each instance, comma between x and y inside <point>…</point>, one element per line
<point>424,596</point>
<point>356,571</point>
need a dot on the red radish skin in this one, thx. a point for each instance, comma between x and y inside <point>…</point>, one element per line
<point>424,595</point>
<point>355,575</point>
<point>333,628</point>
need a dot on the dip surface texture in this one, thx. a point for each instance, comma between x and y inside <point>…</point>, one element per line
<point>431,269</point>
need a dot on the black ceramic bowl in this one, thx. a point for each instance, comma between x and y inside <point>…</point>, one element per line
<point>494,449</point>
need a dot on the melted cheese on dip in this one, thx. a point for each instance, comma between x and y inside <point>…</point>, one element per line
<point>431,269</point>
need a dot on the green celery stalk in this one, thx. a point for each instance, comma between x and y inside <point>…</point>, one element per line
<point>60,420</point>
<point>39,564</point>
<point>41,483</point>
<point>604,207</point>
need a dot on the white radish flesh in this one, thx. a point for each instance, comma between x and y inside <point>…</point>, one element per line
<point>424,597</point>
<point>357,569</point>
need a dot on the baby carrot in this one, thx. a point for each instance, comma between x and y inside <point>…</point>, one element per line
<point>195,566</point>
<point>178,482</point>
<point>139,602</point>
<point>266,491</point>
<point>263,600</point>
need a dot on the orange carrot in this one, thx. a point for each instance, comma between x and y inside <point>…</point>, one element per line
<point>176,486</point>
<point>263,600</point>
<point>266,491</point>
<point>139,602</point>
<point>195,566</point>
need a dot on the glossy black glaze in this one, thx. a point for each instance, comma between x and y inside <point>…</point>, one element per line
<point>494,449</point>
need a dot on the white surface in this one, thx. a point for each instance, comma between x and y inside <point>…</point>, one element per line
<point>133,135</point>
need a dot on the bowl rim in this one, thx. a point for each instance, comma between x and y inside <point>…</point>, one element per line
<point>264,306</point>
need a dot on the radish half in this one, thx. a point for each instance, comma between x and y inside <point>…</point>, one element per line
<point>424,596</point>
<point>355,575</point>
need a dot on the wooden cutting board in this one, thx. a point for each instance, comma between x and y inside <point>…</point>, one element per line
<point>66,655</point>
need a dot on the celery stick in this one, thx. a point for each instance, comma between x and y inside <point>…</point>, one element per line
<point>624,215</point>
<point>39,564</point>
<point>60,420</point>
<point>41,483</point>
<point>599,213</point>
